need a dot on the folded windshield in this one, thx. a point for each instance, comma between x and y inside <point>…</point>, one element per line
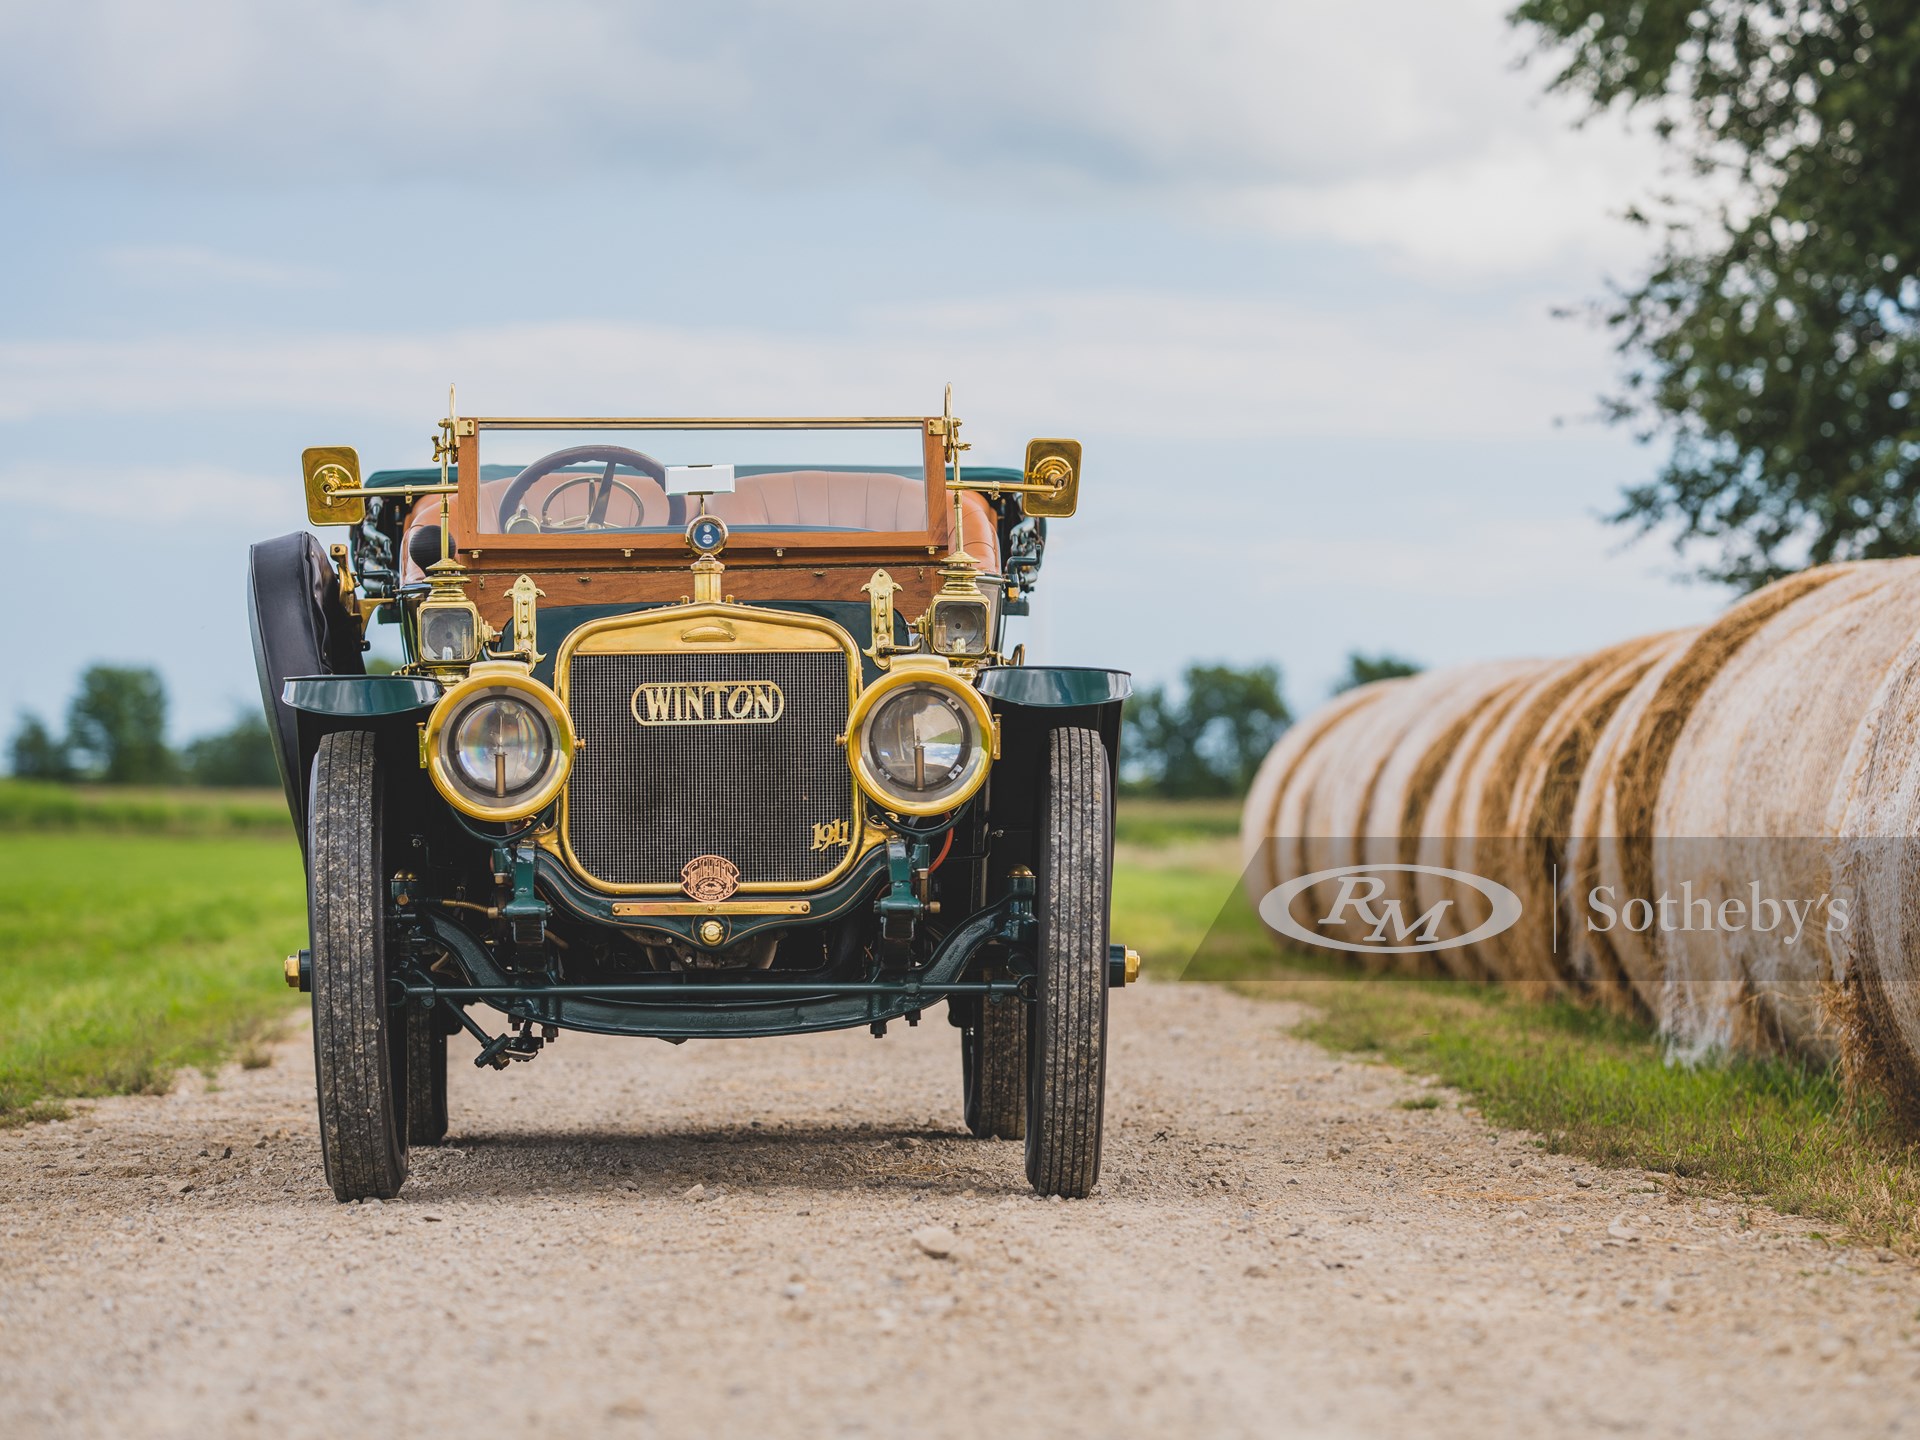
<point>654,481</point>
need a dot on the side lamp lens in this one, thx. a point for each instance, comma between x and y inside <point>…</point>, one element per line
<point>960,627</point>
<point>447,634</point>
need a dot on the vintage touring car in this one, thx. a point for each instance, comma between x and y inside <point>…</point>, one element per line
<point>704,729</point>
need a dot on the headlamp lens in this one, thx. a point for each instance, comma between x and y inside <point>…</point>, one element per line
<point>500,745</point>
<point>921,741</point>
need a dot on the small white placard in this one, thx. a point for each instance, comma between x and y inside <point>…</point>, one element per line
<point>699,479</point>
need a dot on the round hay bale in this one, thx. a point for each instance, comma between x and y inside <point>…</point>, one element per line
<point>1615,814</point>
<point>1593,845</point>
<point>1744,813</point>
<point>1541,794</point>
<point>1877,956</point>
<point>1317,789</point>
<point>1446,829</point>
<point>1267,844</point>
<point>1427,727</point>
<point>1492,831</point>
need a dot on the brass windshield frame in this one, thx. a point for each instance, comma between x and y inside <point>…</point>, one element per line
<point>617,544</point>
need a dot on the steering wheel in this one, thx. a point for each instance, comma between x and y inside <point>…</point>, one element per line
<point>612,455</point>
<point>597,505</point>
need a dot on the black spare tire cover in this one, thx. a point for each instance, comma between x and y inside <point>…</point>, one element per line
<point>299,628</point>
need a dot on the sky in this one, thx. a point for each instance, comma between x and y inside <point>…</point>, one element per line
<point>1289,270</point>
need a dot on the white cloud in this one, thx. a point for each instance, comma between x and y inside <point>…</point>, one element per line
<point>1127,364</point>
<point>1399,125</point>
<point>162,493</point>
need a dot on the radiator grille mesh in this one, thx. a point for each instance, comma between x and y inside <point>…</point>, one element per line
<point>645,799</point>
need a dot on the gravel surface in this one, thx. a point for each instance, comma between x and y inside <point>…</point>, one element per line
<point>795,1237</point>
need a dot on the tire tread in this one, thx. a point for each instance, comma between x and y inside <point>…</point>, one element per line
<point>1069,1021</point>
<point>362,1118</point>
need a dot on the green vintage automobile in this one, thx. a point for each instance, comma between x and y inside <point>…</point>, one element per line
<point>705,728</point>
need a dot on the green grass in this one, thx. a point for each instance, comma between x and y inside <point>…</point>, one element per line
<point>1143,820</point>
<point>32,805</point>
<point>124,958</point>
<point>1587,1081</point>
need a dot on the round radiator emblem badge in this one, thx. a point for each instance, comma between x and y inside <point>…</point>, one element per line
<point>710,877</point>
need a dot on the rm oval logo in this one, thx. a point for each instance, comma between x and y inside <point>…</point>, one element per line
<point>1358,900</point>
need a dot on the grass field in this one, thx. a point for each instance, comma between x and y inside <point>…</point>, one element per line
<point>27,805</point>
<point>124,957</point>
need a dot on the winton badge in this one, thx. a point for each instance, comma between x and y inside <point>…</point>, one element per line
<point>708,702</point>
<point>710,877</point>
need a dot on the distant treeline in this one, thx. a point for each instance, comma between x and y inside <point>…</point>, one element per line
<point>116,734</point>
<point>1209,736</point>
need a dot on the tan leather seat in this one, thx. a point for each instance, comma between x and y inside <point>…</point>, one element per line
<point>573,505</point>
<point>850,500</point>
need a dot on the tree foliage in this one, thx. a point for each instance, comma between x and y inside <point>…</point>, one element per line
<point>116,735</point>
<point>1209,739</point>
<point>1365,669</point>
<point>237,757</point>
<point>36,753</point>
<point>1773,342</point>
<point>117,726</point>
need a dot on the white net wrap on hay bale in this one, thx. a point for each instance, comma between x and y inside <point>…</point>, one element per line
<point>1401,792</point>
<point>1876,958</point>
<point>1614,813</point>
<point>1748,799</point>
<point>1270,816</point>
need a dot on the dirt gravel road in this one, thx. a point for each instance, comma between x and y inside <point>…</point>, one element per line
<point>1277,1248</point>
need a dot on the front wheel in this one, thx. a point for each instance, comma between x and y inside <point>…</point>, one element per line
<point>359,1038</point>
<point>993,1067</point>
<point>1068,1020</point>
<point>426,1077</point>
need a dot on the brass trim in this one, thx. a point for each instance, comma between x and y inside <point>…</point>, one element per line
<point>504,675</point>
<point>697,422</point>
<point>918,670</point>
<point>526,623</point>
<point>330,475</point>
<point>405,492</point>
<point>714,907</point>
<point>658,632</point>
<point>1052,475</point>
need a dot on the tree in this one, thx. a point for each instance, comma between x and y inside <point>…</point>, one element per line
<point>35,753</point>
<point>1773,342</point>
<point>117,726</point>
<point>1365,669</point>
<point>1212,739</point>
<point>240,756</point>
